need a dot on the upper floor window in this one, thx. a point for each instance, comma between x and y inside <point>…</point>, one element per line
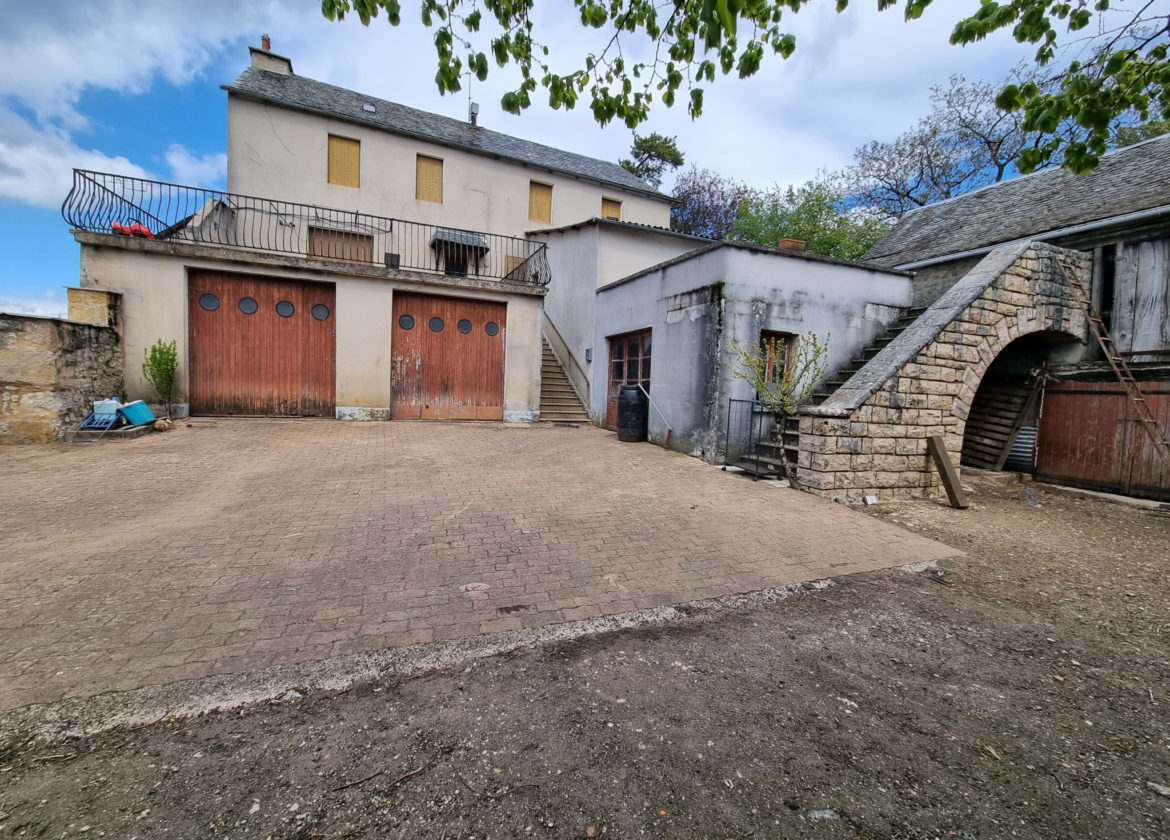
<point>345,161</point>
<point>428,179</point>
<point>611,209</point>
<point>539,202</point>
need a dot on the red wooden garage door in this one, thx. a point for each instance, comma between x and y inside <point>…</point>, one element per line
<point>448,358</point>
<point>260,346</point>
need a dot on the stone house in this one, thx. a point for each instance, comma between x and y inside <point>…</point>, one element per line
<point>366,261</point>
<point>1073,424</point>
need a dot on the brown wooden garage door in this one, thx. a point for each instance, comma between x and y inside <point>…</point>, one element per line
<point>448,358</point>
<point>260,346</point>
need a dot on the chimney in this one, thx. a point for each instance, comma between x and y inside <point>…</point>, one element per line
<point>791,244</point>
<point>263,58</point>
<point>473,113</point>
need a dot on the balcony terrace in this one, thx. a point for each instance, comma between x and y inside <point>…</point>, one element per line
<point>135,207</point>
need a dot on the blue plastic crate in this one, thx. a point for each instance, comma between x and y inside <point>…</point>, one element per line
<point>136,413</point>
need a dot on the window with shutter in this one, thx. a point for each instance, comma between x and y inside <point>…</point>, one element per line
<point>428,179</point>
<point>340,245</point>
<point>611,209</point>
<point>345,159</point>
<point>539,202</point>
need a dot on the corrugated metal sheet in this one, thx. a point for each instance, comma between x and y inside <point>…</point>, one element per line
<point>1022,456</point>
<point>1089,437</point>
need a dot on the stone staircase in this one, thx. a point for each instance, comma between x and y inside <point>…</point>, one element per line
<point>558,400</point>
<point>787,440</point>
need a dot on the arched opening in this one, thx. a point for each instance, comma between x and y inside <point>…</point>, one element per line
<point>1001,426</point>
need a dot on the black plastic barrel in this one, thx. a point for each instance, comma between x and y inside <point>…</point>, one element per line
<point>633,412</point>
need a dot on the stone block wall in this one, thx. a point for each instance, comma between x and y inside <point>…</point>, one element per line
<point>869,438</point>
<point>51,370</point>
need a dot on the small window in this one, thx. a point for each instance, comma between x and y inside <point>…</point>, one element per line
<point>406,322</point>
<point>611,209</point>
<point>320,311</point>
<point>285,309</point>
<point>436,324</point>
<point>248,305</point>
<point>539,202</point>
<point>428,179</point>
<point>464,326</point>
<point>777,350</point>
<point>491,328</point>
<point>341,245</point>
<point>345,156</point>
<point>209,302</point>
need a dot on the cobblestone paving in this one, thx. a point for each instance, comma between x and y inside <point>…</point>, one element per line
<point>232,545</point>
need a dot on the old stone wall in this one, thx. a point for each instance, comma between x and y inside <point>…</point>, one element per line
<point>869,438</point>
<point>51,370</point>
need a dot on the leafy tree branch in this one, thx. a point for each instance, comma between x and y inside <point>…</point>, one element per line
<point>1121,68</point>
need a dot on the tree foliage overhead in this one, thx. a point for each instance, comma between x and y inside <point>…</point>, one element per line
<point>650,157</point>
<point>1122,65</point>
<point>707,203</point>
<point>815,213</point>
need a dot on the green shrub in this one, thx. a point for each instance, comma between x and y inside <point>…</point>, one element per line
<point>159,367</point>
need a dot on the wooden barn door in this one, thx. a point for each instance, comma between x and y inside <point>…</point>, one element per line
<point>447,358</point>
<point>260,346</point>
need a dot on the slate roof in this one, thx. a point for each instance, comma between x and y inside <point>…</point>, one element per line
<point>306,94</point>
<point>1127,181</point>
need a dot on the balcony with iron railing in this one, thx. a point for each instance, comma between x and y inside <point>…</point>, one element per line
<point>135,207</point>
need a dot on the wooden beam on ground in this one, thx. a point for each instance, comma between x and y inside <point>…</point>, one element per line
<point>946,470</point>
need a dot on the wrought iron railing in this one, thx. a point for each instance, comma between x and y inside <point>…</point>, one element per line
<point>117,204</point>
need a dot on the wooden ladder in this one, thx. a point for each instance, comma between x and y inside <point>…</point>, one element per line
<point>1120,367</point>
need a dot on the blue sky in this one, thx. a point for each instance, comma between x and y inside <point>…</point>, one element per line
<point>104,86</point>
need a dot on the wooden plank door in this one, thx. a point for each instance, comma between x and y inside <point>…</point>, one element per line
<point>260,346</point>
<point>629,363</point>
<point>447,358</point>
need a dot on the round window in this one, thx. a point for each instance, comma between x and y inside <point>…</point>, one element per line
<point>406,322</point>
<point>320,311</point>
<point>436,324</point>
<point>464,326</point>
<point>285,309</point>
<point>209,302</point>
<point>492,328</point>
<point>248,305</point>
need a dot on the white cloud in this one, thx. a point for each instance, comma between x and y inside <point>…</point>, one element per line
<point>198,171</point>
<point>38,162</point>
<point>43,307</point>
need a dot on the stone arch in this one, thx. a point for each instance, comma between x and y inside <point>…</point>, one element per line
<point>869,438</point>
<point>1008,393</point>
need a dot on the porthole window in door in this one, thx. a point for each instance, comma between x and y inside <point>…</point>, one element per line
<point>406,322</point>
<point>320,311</point>
<point>464,326</point>
<point>209,302</point>
<point>491,328</point>
<point>436,324</point>
<point>248,305</point>
<point>285,309</point>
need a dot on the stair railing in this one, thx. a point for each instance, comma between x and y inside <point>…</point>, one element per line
<point>578,379</point>
<point>665,422</point>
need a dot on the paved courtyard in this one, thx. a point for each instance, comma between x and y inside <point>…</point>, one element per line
<point>232,545</point>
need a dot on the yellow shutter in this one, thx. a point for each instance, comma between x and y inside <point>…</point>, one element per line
<point>611,209</point>
<point>345,161</point>
<point>539,202</point>
<point>428,180</point>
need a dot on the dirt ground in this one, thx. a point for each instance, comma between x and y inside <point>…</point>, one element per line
<point>1022,691</point>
